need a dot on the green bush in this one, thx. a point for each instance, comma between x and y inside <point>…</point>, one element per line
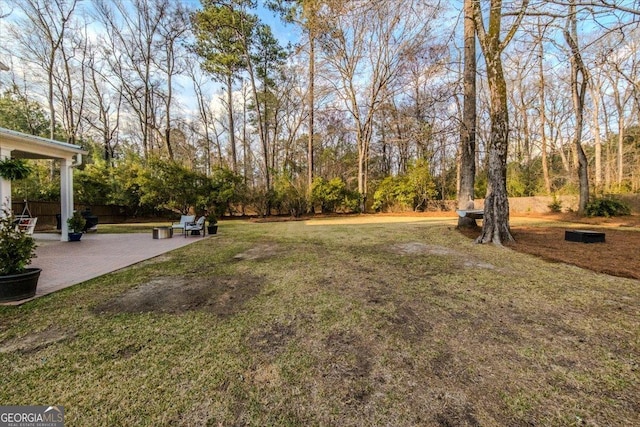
<point>290,196</point>
<point>421,183</point>
<point>333,195</point>
<point>556,205</point>
<point>260,200</point>
<point>406,192</point>
<point>607,207</point>
<point>93,184</point>
<point>352,202</point>
<point>227,190</point>
<point>170,185</point>
<point>393,193</point>
<point>16,247</point>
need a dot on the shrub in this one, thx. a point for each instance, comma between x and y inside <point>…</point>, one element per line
<point>260,200</point>
<point>290,197</point>
<point>352,201</point>
<point>16,247</point>
<point>227,190</point>
<point>406,192</point>
<point>333,195</point>
<point>607,207</point>
<point>394,192</point>
<point>421,183</point>
<point>556,205</point>
<point>170,185</point>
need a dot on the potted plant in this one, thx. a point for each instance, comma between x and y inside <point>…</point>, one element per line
<point>16,251</point>
<point>212,219</point>
<point>14,169</point>
<point>76,224</point>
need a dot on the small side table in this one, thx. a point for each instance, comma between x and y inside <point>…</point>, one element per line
<point>162,232</point>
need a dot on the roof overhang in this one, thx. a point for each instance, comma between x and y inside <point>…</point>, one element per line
<point>27,146</point>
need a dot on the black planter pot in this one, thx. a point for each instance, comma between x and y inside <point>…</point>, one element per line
<point>75,237</point>
<point>19,286</point>
<point>212,229</point>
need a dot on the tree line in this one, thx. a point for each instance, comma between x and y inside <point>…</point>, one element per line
<point>365,95</point>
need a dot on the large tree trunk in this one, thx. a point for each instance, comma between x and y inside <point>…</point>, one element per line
<point>495,227</point>
<point>579,80</point>
<point>544,143</point>
<point>311,106</point>
<point>468,128</point>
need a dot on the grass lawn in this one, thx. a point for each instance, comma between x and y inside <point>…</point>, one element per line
<point>332,322</point>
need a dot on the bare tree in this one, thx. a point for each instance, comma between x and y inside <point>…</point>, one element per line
<point>495,227</point>
<point>71,83</point>
<point>579,82</point>
<point>468,127</point>
<point>132,31</point>
<point>205,115</point>
<point>623,88</point>
<point>305,13</point>
<point>370,39</point>
<point>542,109</point>
<point>103,113</point>
<point>42,37</point>
<point>172,32</point>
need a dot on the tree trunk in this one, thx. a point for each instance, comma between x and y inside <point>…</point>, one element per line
<point>311,106</point>
<point>495,226</point>
<point>620,152</point>
<point>543,121</point>
<point>232,131</point>
<point>596,135</point>
<point>579,80</point>
<point>245,146</point>
<point>167,132</point>
<point>468,128</point>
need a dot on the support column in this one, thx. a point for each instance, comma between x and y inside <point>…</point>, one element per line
<point>66,196</point>
<point>5,184</point>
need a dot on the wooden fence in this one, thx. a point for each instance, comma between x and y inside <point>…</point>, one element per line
<point>112,214</point>
<point>47,211</point>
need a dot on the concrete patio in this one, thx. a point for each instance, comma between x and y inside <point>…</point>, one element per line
<point>66,264</point>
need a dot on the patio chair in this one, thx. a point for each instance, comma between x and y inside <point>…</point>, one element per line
<point>198,226</point>
<point>184,219</point>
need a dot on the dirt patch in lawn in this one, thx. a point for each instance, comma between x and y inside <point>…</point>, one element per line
<point>347,367</point>
<point>419,248</point>
<point>273,339</point>
<point>36,341</point>
<point>617,256</point>
<point>259,252</point>
<point>223,296</point>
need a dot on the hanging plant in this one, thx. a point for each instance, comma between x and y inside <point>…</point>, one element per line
<point>14,169</point>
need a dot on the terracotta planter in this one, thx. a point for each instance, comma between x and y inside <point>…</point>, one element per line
<point>19,286</point>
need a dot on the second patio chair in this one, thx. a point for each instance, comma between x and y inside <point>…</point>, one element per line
<point>198,226</point>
